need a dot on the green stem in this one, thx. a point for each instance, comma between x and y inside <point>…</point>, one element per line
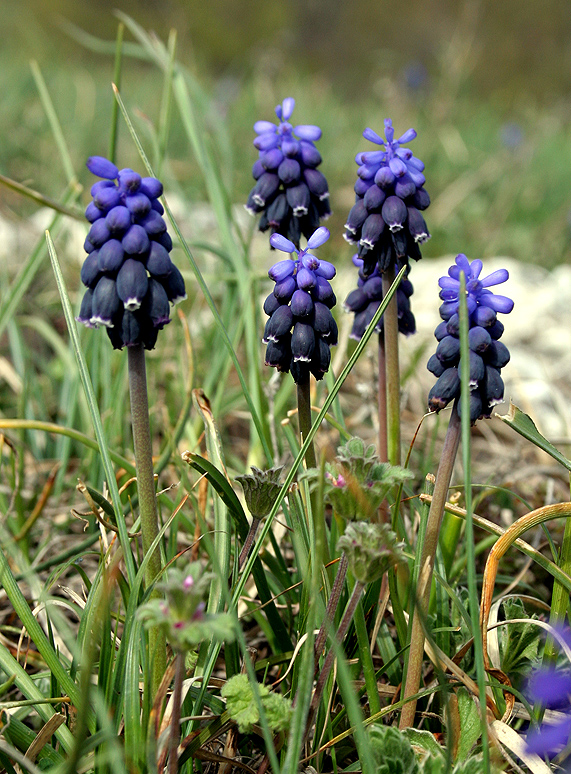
<point>147,495</point>
<point>304,413</point>
<point>560,595</point>
<point>366,660</point>
<point>382,399</point>
<point>416,651</point>
<point>392,373</point>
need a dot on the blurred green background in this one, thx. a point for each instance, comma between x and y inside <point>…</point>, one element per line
<point>486,84</point>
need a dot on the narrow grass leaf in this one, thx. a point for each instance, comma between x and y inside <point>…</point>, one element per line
<point>94,411</point>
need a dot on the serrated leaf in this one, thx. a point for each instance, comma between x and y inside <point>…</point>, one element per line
<point>524,425</point>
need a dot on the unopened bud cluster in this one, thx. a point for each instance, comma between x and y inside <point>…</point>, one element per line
<point>290,192</point>
<point>130,278</point>
<point>488,355</point>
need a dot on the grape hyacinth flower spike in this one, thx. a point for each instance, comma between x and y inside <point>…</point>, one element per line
<point>130,278</point>
<point>488,355</point>
<point>131,282</point>
<point>291,194</point>
<point>386,220</point>
<point>301,328</point>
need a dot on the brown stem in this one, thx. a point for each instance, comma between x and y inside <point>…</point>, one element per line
<point>433,523</point>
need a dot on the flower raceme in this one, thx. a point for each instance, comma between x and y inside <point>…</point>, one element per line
<point>488,355</point>
<point>130,278</point>
<point>290,192</point>
<point>301,328</point>
<point>386,220</point>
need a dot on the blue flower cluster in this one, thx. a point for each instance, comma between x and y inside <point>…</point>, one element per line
<point>386,220</point>
<point>488,355</point>
<point>301,328</point>
<point>290,192</point>
<point>366,299</point>
<point>129,275</point>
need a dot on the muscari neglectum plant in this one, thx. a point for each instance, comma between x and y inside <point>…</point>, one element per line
<point>487,356</point>
<point>387,224</point>
<point>131,283</point>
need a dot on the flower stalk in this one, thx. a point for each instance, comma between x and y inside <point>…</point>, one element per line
<point>146,492</point>
<point>434,521</point>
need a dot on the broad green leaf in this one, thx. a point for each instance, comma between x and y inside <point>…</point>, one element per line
<point>523,424</point>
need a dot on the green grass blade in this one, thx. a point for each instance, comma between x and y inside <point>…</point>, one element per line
<point>54,123</point>
<point>474,606</point>
<point>94,411</point>
<point>117,80</point>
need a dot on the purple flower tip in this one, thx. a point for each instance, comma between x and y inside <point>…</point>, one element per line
<point>102,167</point>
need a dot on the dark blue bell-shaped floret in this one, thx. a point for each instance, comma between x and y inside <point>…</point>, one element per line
<point>279,324</point>
<point>446,388</point>
<point>110,256</point>
<point>394,212</point>
<point>302,342</point>
<point>285,289</point>
<point>157,206</point>
<point>321,359</point>
<point>487,354</point>
<point>479,339</point>
<point>174,286</point>
<point>159,263</point>
<point>271,304</point>
<point>448,350</point>
<point>136,241</point>
<point>497,355</point>
<point>278,354</point>
<point>156,304</point>
<point>105,302</point>
<point>441,331</point>
<point>85,310</point>
<point>435,366</point>
<point>290,193</point>
<point>165,240</point>
<point>302,304</point>
<point>132,284</point>
<point>90,272</point>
